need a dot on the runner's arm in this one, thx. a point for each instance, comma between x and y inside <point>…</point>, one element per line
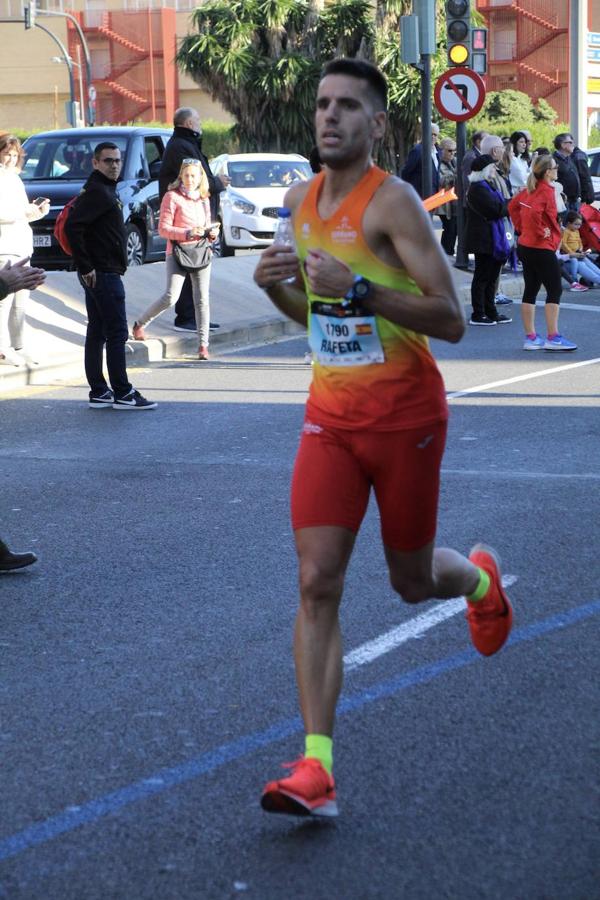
<point>276,264</point>
<point>437,312</point>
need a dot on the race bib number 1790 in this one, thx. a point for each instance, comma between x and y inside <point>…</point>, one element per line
<point>342,335</point>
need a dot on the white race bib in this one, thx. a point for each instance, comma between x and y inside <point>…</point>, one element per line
<point>342,335</point>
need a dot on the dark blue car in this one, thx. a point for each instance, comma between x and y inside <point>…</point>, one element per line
<point>59,162</point>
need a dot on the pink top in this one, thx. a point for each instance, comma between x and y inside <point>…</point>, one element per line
<point>178,214</point>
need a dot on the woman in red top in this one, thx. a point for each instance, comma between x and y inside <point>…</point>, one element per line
<point>184,217</point>
<point>534,215</point>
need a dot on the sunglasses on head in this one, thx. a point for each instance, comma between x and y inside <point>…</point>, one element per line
<point>190,162</point>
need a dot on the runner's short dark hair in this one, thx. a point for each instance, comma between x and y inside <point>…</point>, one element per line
<point>105,145</point>
<point>365,71</point>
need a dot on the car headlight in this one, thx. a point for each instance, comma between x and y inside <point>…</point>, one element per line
<point>242,204</point>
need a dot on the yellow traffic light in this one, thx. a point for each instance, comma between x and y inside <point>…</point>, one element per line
<point>458,54</point>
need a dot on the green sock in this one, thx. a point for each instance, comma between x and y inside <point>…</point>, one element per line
<point>320,746</point>
<point>481,589</point>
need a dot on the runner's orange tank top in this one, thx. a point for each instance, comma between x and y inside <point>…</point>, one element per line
<point>406,389</point>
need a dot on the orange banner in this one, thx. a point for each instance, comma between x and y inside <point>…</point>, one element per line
<point>443,196</point>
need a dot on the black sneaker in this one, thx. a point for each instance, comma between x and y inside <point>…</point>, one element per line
<point>10,561</point>
<point>101,401</point>
<point>133,400</point>
<point>502,319</point>
<point>481,320</point>
<point>185,326</point>
<point>213,326</point>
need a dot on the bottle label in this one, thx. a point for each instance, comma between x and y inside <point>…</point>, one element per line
<point>341,334</point>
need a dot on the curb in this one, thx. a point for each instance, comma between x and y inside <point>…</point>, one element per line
<point>244,333</point>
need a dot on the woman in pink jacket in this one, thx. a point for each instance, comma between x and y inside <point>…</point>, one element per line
<point>184,217</point>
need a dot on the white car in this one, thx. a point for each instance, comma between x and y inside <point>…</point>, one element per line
<point>248,207</point>
<point>594,164</point>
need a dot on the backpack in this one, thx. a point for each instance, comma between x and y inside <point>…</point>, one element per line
<point>59,226</point>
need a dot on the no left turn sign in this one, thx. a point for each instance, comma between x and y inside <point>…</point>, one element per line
<point>459,94</point>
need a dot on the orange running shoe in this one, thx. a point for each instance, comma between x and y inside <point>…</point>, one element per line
<point>490,619</point>
<point>308,791</point>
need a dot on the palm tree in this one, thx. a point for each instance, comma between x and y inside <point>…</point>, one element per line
<point>261,59</point>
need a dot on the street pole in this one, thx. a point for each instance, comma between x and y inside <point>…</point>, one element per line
<point>426,153</point>
<point>425,13</point>
<point>81,100</point>
<point>462,257</point>
<point>578,72</point>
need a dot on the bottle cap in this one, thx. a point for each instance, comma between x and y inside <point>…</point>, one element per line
<point>284,213</point>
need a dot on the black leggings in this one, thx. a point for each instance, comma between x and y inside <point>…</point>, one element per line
<point>540,267</point>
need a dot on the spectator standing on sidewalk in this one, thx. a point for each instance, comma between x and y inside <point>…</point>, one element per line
<point>535,217</point>
<point>580,159</point>
<point>447,212</point>
<point>18,277</point>
<point>186,143</point>
<point>96,232</point>
<point>519,166</point>
<point>501,153</point>
<point>568,174</point>
<point>184,218</point>
<point>16,242</point>
<point>412,170</point>
<point>465,170</point>
<point>487,206</point>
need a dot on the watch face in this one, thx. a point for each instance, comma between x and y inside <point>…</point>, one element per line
<point>362,289</point>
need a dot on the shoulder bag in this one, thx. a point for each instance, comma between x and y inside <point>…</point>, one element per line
<point>194,255</point>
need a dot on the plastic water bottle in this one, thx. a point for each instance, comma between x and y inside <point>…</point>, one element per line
<point>284,234</point>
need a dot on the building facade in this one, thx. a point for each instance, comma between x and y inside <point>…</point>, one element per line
<point>131,77</point>
<point>529,51</point>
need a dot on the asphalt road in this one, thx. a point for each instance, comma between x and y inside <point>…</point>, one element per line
<point>147,687</point>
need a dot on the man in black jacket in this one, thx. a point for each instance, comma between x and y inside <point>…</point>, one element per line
<point>96,232</point>
<point>567,173</point>
<point>580,159</point>
<point>186,143</point>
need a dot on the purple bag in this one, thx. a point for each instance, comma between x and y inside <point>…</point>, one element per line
<point>500,244</point>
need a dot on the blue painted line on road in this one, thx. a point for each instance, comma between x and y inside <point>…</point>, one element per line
<point>76,816</point>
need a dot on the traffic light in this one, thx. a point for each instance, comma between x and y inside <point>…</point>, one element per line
<point>29,14</point>
<point>479,50</point>
<point>458,31</point>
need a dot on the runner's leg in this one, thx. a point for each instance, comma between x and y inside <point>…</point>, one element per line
<point>323,555</point>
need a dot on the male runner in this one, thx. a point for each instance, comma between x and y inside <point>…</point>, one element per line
<point>374,283</point>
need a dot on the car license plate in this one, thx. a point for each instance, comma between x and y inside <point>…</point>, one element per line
<point>42,240</point>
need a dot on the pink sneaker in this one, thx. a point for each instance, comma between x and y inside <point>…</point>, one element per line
<point>576,286</point>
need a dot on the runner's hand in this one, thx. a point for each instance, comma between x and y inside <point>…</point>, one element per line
<point>328,276</point>
<point>90,279</point>
<point>275,265</point>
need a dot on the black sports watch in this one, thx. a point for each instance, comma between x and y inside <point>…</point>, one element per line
<point>360,290</point>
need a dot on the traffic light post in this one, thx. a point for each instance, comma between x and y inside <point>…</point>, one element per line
<point>467,48</point>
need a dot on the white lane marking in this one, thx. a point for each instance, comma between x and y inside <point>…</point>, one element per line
<point>584,307</point>
<point>410,630</point>
<point>493,384</point>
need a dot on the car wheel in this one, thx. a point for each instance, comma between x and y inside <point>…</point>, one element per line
<point>224,248</point>
<point>135,246</point>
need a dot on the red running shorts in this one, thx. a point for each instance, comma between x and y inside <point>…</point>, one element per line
<point>335,470</point>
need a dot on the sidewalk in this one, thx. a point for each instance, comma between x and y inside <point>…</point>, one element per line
<point>56,319</point>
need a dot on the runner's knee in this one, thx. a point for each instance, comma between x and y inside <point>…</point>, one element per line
<point>319,585</point>
<point>412,590</point>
